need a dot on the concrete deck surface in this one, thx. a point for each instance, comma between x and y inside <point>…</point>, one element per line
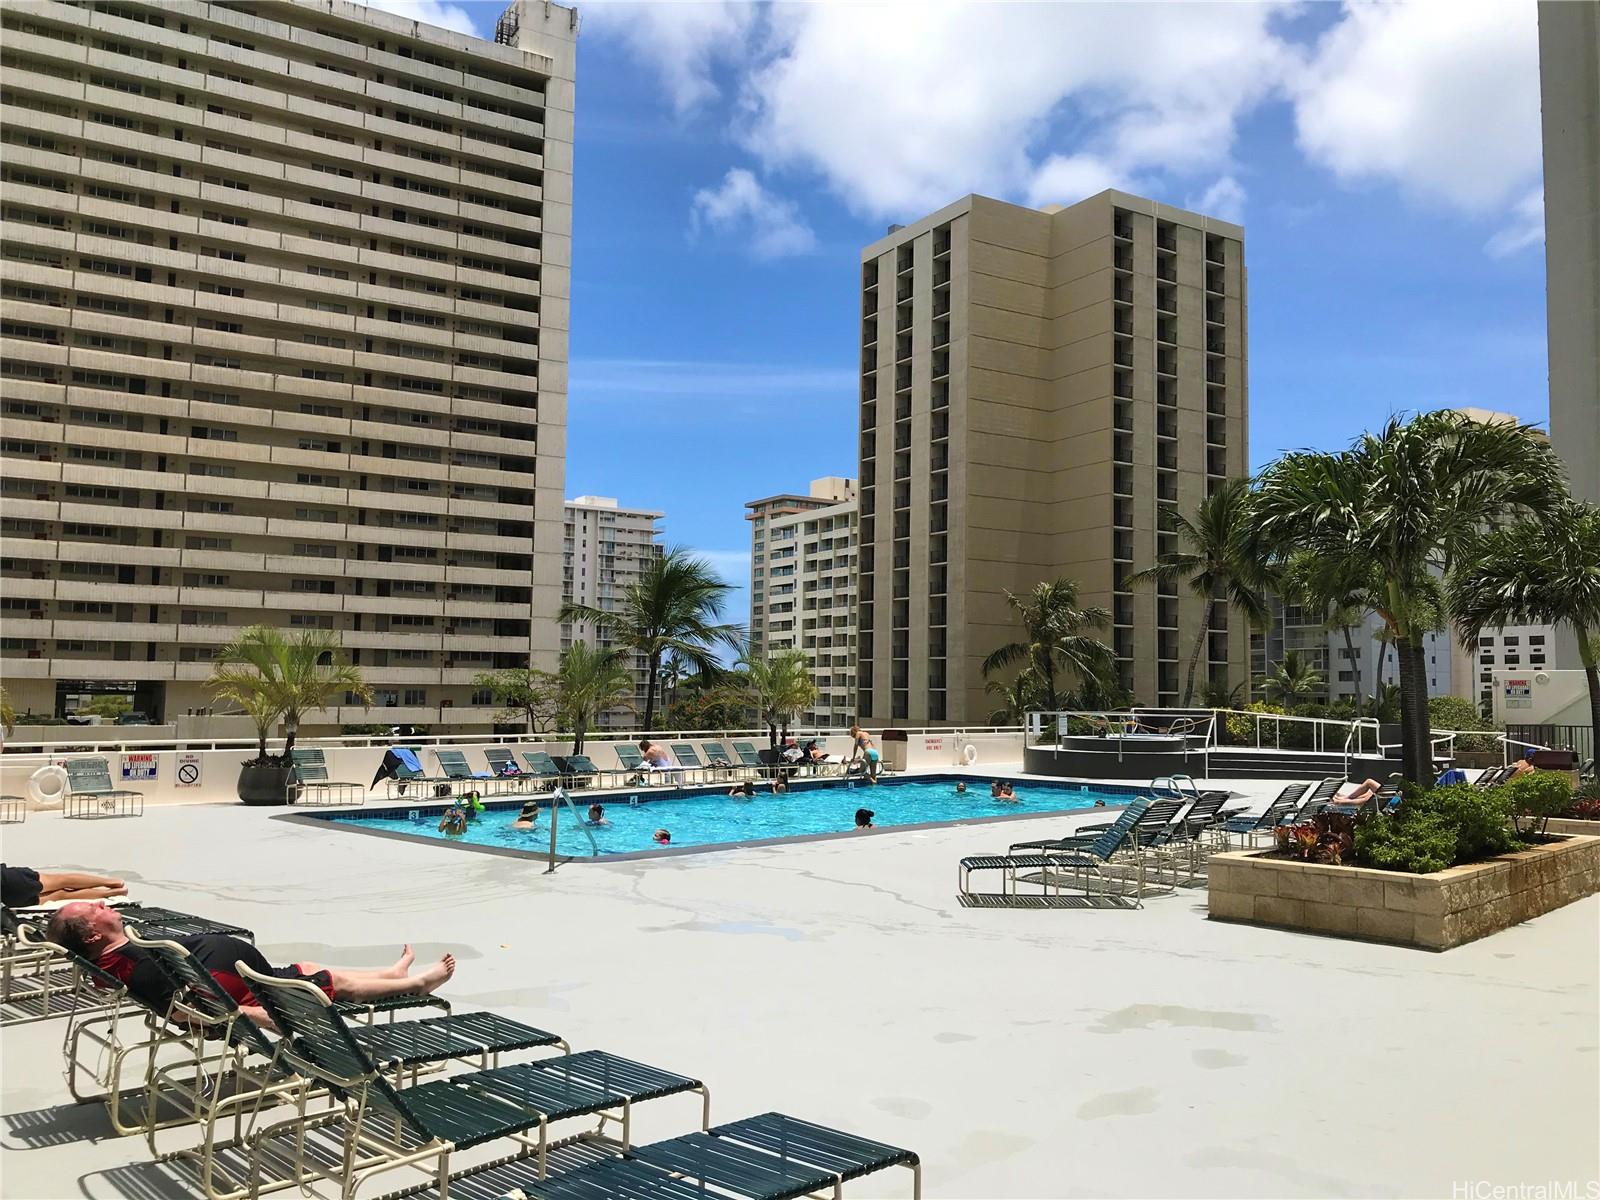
<point>1048,1053</point>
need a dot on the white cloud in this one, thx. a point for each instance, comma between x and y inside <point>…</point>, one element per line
<point>1065,178</point>
<point>430,12</point>
<point>682,41</point>
<point>1525,229</point>
<point>1443,100</point>
<point>732,566</point>
<point>1224,199</point>
<point>741,207</point>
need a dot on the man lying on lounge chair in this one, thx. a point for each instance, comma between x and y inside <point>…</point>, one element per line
<point>95,932</point>
<point>23,887</point>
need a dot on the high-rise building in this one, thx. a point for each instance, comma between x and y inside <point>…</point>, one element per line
<point>1569,90</point>
<point>285,340</point>
<point>1037,387</point>
<point>1349,668</point>
<point>803,562</point>
<point>606,548</point>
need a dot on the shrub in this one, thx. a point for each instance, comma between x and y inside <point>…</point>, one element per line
<point>1535,797</point>
<point>1452,712</point>
<point>1327,838</point>
<point>1585,804</point>
<point>1436,828</point>
<point>1241,729</point>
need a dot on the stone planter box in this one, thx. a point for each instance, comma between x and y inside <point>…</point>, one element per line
<point>1431,912</point>
<point>1567,826</point>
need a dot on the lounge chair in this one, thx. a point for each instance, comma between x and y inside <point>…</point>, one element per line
<point>90,794</point>
<point>686,757</point>
<point>542,769</point>
<point>758,1158</point>
<point>1084,862</point>
<point>503,766</point>
<point>575,767</point>
<point>13,809</point>
<point>387,1128</point>
<point>1492,777</point>
<point>716,753</point>
<point>748,755</point>
<point>453,766</point>
<point>1154,817</point>
<point>1248,828</point>
<point>311,768</point>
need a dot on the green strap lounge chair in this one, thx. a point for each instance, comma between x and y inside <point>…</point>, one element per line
<point>748,754</point>
<point>454,768</point>
<point>1053,862</point>
<point>630,758</point>
<point>91,795</point>
<point>311,766</point>
<point>504,766</point>
<point>577,771</point>
<point>769,1157</point>
<point>387,1128</point>
<point>541,768</point>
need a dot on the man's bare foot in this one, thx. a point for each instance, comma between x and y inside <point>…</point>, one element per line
<point>437,975</point>
<point>402,965</point>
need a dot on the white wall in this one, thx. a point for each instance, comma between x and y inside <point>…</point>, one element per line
<point>1553,698</point>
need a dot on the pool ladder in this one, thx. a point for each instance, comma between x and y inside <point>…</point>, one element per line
<point>558,798</point>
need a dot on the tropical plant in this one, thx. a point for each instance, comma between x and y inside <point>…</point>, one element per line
<point>526,696</point>
<point>1535,797</point>
<point>1454,713</point>
<point>8,711</point>
<point>1017,697</point>
<point>1543,570</point>
<point>1219,695</point>
<point>1328,837</point>
<point>1241,729</point>
<point>716,710</point>
<point>272,676</point>
<point>1435,828</point>
<point>110,707</point>
<point>674,607</point>
<point>777,687</point>
<point>1218,564</point>
<point>1292,679</point>
<point>1056,643</point>
<point>591,681</point>
<point>1408,502</point>
<point>1338,590</point>
<point>673,672</point>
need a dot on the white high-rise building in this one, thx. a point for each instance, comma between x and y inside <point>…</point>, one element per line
<point>285,340</point>
<point>803,560</point>
<point>606,548</point>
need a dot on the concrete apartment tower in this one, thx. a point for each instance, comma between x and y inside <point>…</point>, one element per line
<point>1036,386</point>
<point>286,291</point>
<point>803,562</point>
<point>605,548</point>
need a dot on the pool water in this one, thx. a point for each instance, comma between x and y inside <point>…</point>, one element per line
<point>710,817</point>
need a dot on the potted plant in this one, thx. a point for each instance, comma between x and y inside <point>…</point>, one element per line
<point>273,677</point>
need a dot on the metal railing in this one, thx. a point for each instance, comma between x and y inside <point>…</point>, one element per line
<point>558,797</point>
<point>1577,738</point>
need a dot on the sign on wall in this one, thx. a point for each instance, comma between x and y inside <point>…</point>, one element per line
<point>933,744</point>
<point>138,766</point>
<point>188,770</point>
<point>1519,693</point>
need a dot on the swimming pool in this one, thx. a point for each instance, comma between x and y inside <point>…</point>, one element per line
<point>710,817</point>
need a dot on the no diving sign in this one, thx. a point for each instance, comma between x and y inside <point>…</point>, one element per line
<point>188,770</point>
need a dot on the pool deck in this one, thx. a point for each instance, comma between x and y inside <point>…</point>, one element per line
<point>1021,1053</point>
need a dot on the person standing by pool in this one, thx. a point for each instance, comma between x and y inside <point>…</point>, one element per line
<point>866,752</point>
<point>454,821</point>
<point>864,818</point>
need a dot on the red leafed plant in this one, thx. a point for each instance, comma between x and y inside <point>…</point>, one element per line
<point>1326,838</point>
<point>1585,808</point>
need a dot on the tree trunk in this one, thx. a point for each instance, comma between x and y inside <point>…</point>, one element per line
<point>1416,747</point>
<point>577,737</point>
<point>1194,655</point>
<point>650,692</point>
<point>1591,672</point>
<point>1355,665</point>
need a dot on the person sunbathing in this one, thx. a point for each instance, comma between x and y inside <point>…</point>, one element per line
<point>1359,792</point>
<point>23,887</point>
<point>95,932</point>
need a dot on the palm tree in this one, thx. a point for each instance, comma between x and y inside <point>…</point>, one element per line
<point>1217,564</point>
<point>591,681</point>
<point>1017,696</point>
<point>1292,679</point>
<point>272,676</point>
<point>777,687</point>
<point>673,673</point>
<point>1537,572</point>
<point>1406,503</point>
<point>1053,626</point>
<point>674,607</point>
<point>8,712</point>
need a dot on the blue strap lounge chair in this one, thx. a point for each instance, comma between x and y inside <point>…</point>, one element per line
<point>1085,865</point>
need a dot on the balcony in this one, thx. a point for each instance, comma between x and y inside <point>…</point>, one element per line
<point>1214,251</point>
<point>1122,228</point>
<point>1122,548</point>
<point>1123,261</point>
<point>1167,271</point>
<point>1167,457</point>
<point>1122,419</point>
<point>1216,343</point>
<point>1122,449</point>
<point>1122,355</point>
<point>1123,292</point>
<point>1122,388</point>
<point>1166,425</point>
<point>1123,324</point>
<point>1214,280</point>
<point>1167,331</point>
<point>1167,300</point>
<point>1167,363</point>
<point>1216,371</point>
<point>1166,239</point>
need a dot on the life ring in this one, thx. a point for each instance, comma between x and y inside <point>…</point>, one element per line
<point>970,754</point>
<point>48,785</point>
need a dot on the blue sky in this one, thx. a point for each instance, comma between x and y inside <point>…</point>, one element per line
<point>732,159</point>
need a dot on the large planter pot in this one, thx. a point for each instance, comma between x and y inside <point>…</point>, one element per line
<point>265,783</point>
<point>1431,912</point>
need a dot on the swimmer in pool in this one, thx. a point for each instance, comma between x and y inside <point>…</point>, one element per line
<point>528,815</point>
<point>779,784</point>
<point>743,791</point>
<point>1002,791</point>
<point>961,789</point>
<point>662,838</point>
<point>597,815</point>
<point>454,821</point>
<point>864,818</point>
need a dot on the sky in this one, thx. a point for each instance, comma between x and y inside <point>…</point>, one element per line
<point>732,159</point>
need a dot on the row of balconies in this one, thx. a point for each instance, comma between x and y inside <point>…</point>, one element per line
<point>174,631</point>
<point>255,599</point>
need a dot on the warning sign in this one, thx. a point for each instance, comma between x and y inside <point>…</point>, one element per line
<point>1519,693</point>
<point>933,744</point>
<point>138,766</point>
<point>188,770</point>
